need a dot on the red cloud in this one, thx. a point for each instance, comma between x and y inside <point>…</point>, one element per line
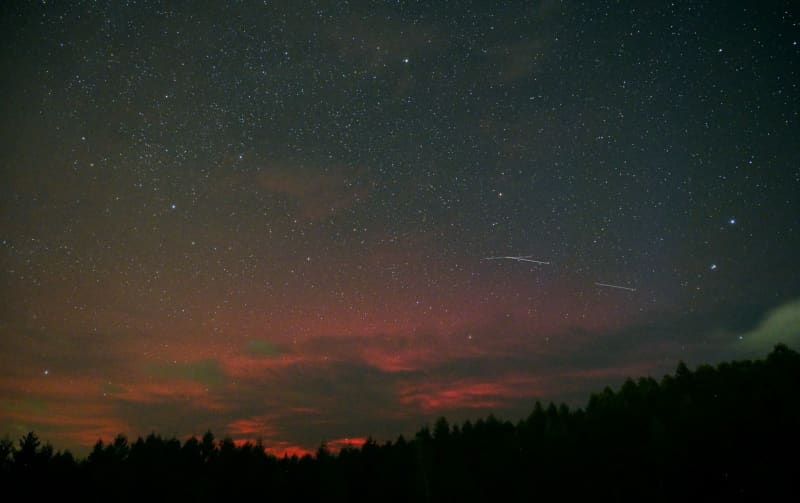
<point>436,396</point>
<point>256,427</point>
<point>74,426</point>
<point>281,449</point>
<point>340,443</point>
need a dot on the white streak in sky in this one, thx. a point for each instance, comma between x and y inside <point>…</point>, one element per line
<point>521,258</point>
<point>616,286</point>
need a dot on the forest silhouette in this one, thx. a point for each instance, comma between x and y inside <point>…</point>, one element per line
<point>730,431</point>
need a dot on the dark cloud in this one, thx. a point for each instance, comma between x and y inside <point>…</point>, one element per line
<point>314,193</point>
<point>208,372</point>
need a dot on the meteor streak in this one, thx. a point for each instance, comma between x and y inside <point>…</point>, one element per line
<point>521,258</point>
<point>616,286</point>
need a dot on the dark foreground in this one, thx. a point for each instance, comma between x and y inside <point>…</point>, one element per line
<point>730,433</point>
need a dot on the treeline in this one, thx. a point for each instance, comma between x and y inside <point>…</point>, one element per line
<point>728,432</point>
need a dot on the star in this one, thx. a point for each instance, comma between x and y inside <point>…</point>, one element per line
<point>339,204</point>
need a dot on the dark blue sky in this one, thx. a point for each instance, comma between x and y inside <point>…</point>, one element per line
<point>272,219</point>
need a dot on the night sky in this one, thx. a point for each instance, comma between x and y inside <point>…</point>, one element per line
<point>273,219</point>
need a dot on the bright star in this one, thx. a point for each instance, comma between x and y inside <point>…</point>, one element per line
<point>732,221</point>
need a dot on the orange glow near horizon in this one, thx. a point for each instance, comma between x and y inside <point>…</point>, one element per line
<point>236,367</point>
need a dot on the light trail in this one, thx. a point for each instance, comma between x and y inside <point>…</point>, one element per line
<point>521,258</point>
<point>618,287</point>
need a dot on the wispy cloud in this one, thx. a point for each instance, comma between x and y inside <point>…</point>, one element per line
<point>207,372</point>
<point>313,192</point>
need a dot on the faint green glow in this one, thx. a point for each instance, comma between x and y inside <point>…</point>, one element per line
<point>781,325</point>
<point>208,372</point>
<point>260,347</point>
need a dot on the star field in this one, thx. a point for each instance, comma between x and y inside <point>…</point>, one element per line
<point>272,220</point>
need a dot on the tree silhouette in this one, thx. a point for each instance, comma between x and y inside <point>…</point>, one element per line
<point>6,451</point>
<point>25,457</point>
<point>716,432</point>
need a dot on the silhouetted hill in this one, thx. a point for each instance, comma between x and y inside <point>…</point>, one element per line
<point>728,432</point>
